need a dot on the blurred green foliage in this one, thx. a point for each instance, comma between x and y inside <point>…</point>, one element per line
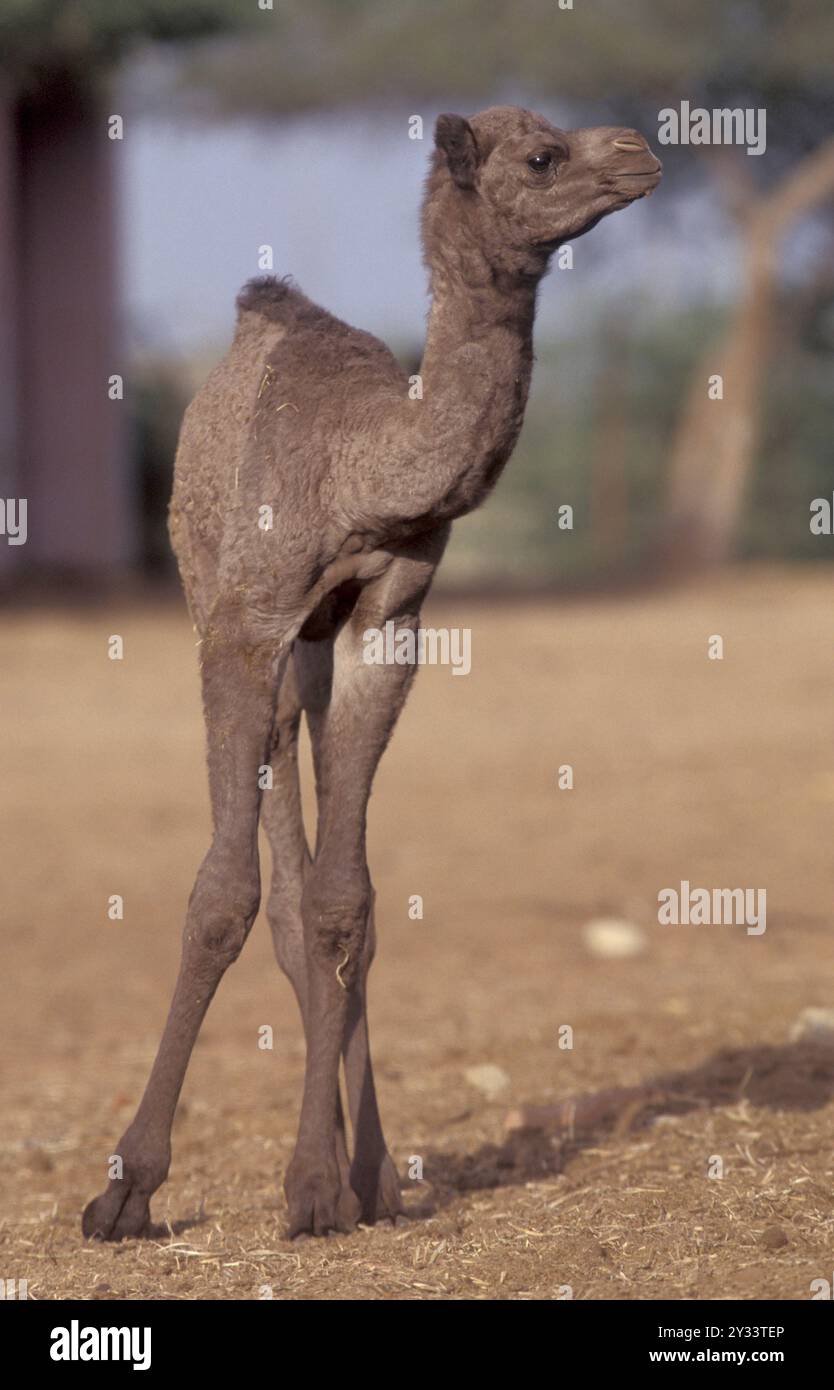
<point>615,478</point>
<point>630,58</point>
<point>159,392</point>
<point>80,37</point>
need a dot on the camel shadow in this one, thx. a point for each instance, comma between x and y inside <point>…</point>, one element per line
<point>797,1077</point>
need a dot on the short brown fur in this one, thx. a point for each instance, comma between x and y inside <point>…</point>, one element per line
<point>315,420</point>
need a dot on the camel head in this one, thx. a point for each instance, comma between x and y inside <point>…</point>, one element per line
<point>516,186</point>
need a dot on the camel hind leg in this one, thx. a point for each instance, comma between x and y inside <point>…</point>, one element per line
<point>240,682</point>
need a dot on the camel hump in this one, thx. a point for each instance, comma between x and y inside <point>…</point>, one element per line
<point>272,297</point>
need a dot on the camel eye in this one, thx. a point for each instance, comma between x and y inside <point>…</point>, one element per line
<point>540,162</point>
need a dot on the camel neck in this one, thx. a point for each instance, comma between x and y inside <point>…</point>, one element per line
<point>478,310</point>
<point>475,376</point>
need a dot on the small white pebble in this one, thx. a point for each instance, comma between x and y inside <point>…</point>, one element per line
<point>609,938</point>
<point>814,1025</point>
<point>488,1078</point>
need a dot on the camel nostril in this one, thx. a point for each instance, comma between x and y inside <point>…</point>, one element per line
<point>630,144</point>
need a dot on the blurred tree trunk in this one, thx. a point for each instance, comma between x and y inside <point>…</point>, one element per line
<point>8,313</point>
<point>713,452</point>
<point>608,473</point>
<point>72,465</point>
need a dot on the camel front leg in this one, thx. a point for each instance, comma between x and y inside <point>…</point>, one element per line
<point>372,1179</point>
<point>239,686</point>
<point>348,736</point>
<point>283,822</point>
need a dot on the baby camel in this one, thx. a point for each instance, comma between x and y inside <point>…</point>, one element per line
<point>313,499</point>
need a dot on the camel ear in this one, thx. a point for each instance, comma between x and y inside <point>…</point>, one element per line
<point>456,138</point>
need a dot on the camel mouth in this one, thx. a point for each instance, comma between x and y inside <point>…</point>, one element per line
<point>649,179</point>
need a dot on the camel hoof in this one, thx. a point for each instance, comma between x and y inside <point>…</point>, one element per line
<point>319,1205</point>
<point>378,1189</point>
<point>115,1215</point>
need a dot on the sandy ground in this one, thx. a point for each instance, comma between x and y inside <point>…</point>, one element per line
<point>719,772</point>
